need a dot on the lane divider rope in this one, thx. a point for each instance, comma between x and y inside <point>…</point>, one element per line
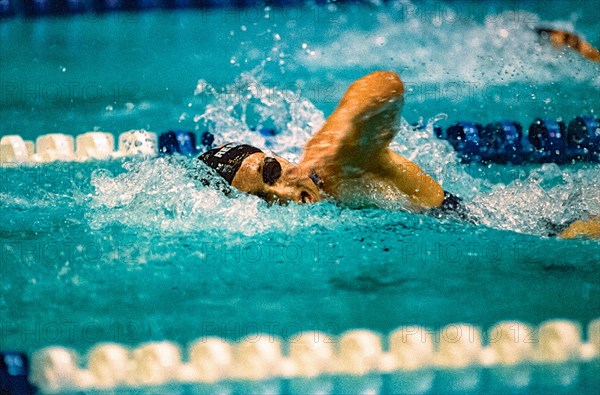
<point>547,141</point>
<point>313,354</point>
<point>45,8</point>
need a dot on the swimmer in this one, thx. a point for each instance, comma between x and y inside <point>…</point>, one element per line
<point>349,154</point>
<point>561,38</point>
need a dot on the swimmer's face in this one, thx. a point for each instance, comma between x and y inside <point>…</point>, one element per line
<point>275,179</point>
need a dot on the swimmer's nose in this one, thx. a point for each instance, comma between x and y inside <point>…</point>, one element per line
<point>306,197</point>
<point>309,192</point>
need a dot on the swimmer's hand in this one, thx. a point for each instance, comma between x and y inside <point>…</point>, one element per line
<point>587,229</point>
<point>561,38</point>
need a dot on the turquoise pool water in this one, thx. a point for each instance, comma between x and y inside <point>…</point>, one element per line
<point>132,250</point>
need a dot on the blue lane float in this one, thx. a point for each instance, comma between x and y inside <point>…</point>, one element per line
<point>14,373</point>
<point>125,5</point>
<point>7,9</point>
<point>583,137</point>
<point>464,137</point>
<point>438,131</point>
<point>43,8</point>
<point>180,4</point>
<point>38,8</point>
<point>106,5</point>
<point>148,4</point>
<point>502,142</point>
<point>548,141</point>
<point>177,142</point>
<point>548,137</point>
<point>207,140</point>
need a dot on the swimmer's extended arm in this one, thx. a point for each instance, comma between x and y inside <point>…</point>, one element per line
<point>561,38</point>
<point>354,142</point>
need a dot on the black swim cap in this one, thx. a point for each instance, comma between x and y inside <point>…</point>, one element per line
<point>228,158</point>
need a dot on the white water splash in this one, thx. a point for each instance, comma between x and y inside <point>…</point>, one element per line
<point>434,45</point>
<point>549,195</point>
<point>436,157</point>
<point>159,194</point>
<point>243,108</point>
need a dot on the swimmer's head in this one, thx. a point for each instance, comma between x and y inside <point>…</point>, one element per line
<point>270,177</point>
